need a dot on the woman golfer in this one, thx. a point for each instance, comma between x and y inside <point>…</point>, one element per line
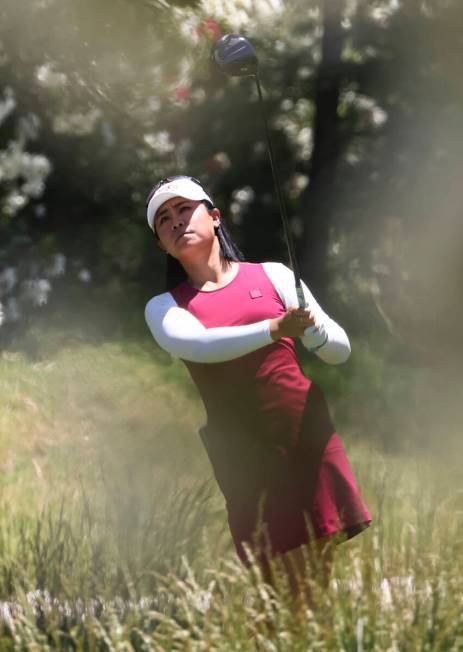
<point>276,456</point>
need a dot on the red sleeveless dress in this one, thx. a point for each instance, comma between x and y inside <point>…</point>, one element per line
<point>275,453</point>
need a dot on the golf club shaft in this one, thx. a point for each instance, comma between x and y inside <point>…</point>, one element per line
<point>284,217</point>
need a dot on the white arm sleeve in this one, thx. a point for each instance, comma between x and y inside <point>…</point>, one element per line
<point>337,347</point>
<point>182,335</point>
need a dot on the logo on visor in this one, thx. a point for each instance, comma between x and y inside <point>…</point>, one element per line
<point>168,187</point>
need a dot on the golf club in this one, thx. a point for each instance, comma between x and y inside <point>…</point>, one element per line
<point>235,56</point>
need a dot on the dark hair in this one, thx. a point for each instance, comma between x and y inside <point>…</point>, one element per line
<point>175,274</point>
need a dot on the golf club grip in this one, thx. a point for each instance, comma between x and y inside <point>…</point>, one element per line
<point>284,217</point>
<point>300,295</point>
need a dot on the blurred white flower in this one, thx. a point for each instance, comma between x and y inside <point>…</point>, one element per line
<point>346,22</point>
<point>10,162</point>
<point>154,104</point>
<point>297,226</point>
<point>28,127</point>
<point>304,72</point>
<point>58,266</point>
<point>40,210</point>
<point>353,158</point>
<point>50,78</point>
<point>305,143</point>
<point>42,291</point>
<point>11,310</point>
<point>187,24</point>
<point>33,168</point>
<point>235,213</point>
<point>290,124</point>
<point>156,72</point>
<point>383,13</point>
<point>223,160</point>
<point>303,109</point>
<point>243,195</point>
<point>251,14</point>
<point>14,202</point>
<point>378,115</point>
<point>8,279</point>
<point>33,187</point>
<point>37,290</point>
<point>108,134</point>
<point>367,105</point>
<point>79,124</point>
<point>299,182</point>
<point>286,104</point>
<point>160,142</point>
<point>84,275</point>
<point>2,314</point>
<point>7,105</point>
<point>199,95</point>
<point>287,124</point>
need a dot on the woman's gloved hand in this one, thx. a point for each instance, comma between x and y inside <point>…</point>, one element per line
<point>293,323</point>
<point>299,322</point>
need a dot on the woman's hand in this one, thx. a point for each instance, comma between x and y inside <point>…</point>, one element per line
<point>292,324</point>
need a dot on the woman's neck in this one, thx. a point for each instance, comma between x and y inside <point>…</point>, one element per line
<point>209,271</point>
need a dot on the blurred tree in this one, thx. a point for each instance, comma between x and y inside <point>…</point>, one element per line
<point>366,128</point>
<point>316,202</point>
<point>85,86</point>
<point>397,196</point>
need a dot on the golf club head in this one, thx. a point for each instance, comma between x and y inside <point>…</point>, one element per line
<point>235,56</point>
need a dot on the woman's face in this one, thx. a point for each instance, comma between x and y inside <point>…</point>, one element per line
<point>185,226</point>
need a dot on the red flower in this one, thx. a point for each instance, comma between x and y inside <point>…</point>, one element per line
<point>182,93</point>
<point>209,28</point>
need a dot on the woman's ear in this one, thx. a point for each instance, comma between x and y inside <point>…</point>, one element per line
<point>215,214</point>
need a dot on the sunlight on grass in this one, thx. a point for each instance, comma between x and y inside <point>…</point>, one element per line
<point>113,534</point>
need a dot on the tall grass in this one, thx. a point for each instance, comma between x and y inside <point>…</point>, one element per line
<point>113,535</point>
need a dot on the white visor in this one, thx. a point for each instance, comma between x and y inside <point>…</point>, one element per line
<point>183,187</point>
